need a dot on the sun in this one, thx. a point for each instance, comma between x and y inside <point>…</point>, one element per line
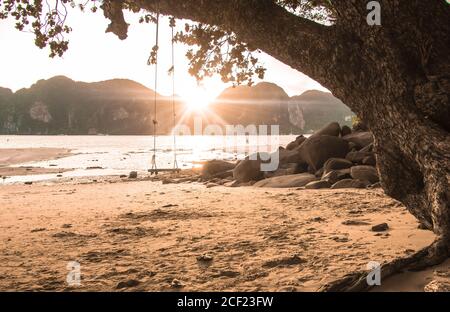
<point>198,99</point>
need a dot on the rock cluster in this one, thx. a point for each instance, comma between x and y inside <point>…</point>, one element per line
<point>333,157</point>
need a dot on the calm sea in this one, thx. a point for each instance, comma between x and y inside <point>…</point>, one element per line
<point>115,155</point>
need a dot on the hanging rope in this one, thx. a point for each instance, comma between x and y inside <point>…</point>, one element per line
<point>174,115</point>
<point>155,122</point>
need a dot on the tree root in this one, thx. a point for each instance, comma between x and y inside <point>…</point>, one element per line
<point>432,255</point>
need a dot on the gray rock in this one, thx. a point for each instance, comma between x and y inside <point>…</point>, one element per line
<point>350,183</point>
<point>249,169</point>
<point>133,175</point>
<point>293,180</point>
<point>332,129</point>
<point>345,130</point>
<point>315,185</point>
<point>360,138</point>
<point>369,160</point>
<point>316,150</point>
<point>380,227</point>
<point>357,156</point>
<point>297,142</point>
<point>368,148</point>
<point>279,172</point>
<point>213,167</point>
<point>336,175</point>
<point>375,185</point>
<point>365,173</point>
<point>336,164</point>
<point>319,173</point>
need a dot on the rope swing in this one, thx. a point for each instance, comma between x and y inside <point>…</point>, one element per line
<point>154,169</point>
<point>155,98</point>
<point>174,114</point>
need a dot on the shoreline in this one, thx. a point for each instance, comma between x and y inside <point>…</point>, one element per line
<point>9,157</point>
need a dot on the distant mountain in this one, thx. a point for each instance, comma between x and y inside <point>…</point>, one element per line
<point>262,104</point>
<point>60,105</point>
<point>313,109</point>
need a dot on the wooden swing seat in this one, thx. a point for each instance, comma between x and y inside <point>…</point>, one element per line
<point>164,170</point>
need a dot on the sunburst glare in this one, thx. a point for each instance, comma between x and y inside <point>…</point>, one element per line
<point>198,99</point>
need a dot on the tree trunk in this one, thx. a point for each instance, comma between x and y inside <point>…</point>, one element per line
<point>413,157</point>
<point>401,91</point>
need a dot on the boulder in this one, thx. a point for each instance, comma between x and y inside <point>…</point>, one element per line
<point>332,129</point>
<point>357,156</point>
<point>318,149</point>
<point>213,167</point>
<point>297,142</point>
<point>375,185</point>
<point>350,183</point>
<point>345,130</point>
<point>369,160</point>
<point>336,164</point>
<point>291,156</point>
<point>249,169</point>
<point>360,138</point>
<point>293,180</point>
<point>336,175</point>
<point>133,175</point>
<point>293,166</point>
<point>319,173</point>
<point>368,148</point>
<point>365,173</point>
<point>279,172</point>
<point>380,227</point>
<point>315,185</point>
<point>311,169</point>
<point>352,146</point>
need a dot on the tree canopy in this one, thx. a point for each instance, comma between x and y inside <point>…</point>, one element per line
<point>215,49</point>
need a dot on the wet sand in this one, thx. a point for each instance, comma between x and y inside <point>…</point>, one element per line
<point>15,156</point>
<point>146,236</point>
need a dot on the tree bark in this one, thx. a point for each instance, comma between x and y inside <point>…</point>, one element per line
<point>395,77</point>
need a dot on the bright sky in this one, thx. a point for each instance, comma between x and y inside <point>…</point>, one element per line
<point>95,56</point>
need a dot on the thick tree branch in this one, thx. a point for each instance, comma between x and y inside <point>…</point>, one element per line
<point>262,24</point>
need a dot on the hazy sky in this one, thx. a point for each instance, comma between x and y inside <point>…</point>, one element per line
<point>94,55</point>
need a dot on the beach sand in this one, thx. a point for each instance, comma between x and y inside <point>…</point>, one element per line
<point>146,236</point>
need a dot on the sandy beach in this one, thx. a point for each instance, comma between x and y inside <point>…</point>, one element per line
<point>152,234</point>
